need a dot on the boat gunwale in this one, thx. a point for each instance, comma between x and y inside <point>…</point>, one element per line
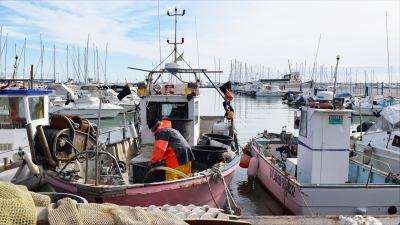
<point>227,169</point>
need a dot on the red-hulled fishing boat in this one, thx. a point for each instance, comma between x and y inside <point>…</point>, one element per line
<point>75,161</point>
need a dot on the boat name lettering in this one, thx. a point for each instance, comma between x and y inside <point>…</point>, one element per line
<point>282,182</point>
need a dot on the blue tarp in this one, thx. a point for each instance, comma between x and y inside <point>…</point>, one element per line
<point>343,95</point>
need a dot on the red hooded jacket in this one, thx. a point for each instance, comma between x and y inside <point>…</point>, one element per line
<point>170,146</point>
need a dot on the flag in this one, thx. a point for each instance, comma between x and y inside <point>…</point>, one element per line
<point>126,91</point>
<point>179,58</point>
<point>226,89</point>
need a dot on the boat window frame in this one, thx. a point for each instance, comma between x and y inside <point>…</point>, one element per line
<point>303,123</point>
<point>32,111</point>
<point>160,116</point>
<point>196,112</point>
<point>14,123</point>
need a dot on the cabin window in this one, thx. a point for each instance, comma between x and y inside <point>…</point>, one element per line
<point>196,112</point>
<point>36,107</point>
<point>303,124</point>
<point>167,110</point>
<point>12,113</point>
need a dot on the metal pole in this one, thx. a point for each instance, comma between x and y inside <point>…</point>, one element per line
<point>336,68</point>
<point>97,142</point>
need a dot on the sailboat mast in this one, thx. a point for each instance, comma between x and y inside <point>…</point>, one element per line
<point>54,63</point>
<point>387,51</point>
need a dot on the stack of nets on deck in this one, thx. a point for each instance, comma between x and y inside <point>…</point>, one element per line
<point>18,206</point>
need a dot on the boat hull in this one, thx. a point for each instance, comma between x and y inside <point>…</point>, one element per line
<point>346,199</point>
<point>193,190</point>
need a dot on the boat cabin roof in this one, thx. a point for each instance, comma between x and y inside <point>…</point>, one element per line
<point>25,92</point>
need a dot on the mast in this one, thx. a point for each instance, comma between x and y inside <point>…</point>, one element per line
<point>1,49</point>
<point>175,43</point>
<point>67,65</point>
<point>387,51</point>
<point>54,63</point>
<point>41,58</point>
<point>23,72</point>
<point>105,66</point>
<point>315,59</point>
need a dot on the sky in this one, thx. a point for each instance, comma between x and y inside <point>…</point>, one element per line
<point>263,34</point>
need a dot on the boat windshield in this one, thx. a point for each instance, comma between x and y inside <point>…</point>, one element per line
<point>167,110</point>
<point>12,113</point>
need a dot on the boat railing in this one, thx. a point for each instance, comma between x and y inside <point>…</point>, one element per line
<point>114,135</point>
<point>376,160</point>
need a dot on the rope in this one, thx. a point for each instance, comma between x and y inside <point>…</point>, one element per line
<point>305,202</point>
<point>216,175</point>
<point>209,188</point>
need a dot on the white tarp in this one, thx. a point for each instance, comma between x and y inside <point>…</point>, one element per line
<point>391,114</point>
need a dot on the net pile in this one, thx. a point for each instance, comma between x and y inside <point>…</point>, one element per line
<point>68,211</point>
<point>18,205</point>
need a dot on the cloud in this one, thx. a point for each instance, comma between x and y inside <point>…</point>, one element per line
<point>258,32</point>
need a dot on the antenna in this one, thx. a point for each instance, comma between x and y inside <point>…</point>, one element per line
<point>176,14</point>
<point>336,68</point>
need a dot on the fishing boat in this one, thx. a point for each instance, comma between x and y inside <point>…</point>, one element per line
<point>323,179</point>
<point>119,172</point>
<point>379,146</point>
<point>19,107</point>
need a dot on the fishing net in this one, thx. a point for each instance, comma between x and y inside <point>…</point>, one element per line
<point>18,205</point>
<point>68,211</point>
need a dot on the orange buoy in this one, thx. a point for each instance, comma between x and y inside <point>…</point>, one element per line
<point>244,161</point>
<point>253,167</point>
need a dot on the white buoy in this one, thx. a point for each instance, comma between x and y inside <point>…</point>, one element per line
<point>181,215</point>
<point>191,206</point>
<point>213,211</point>
<point>151,208</point>
<point>207,216</point>
<point>193,216</point>
<point>183,209</point>
<point>165,207</point>
<point>178,207</point>
<point>222,216</point>
<point>253,167</point>
<point>132,128</point>
<point>187,213</point>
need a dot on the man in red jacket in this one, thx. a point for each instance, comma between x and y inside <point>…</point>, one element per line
<point>170,149</point>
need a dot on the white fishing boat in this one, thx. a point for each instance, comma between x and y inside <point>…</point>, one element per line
<point>269,91</point>
<point>323,179</point>
<point>380,144</point>
<point>17,109</point>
